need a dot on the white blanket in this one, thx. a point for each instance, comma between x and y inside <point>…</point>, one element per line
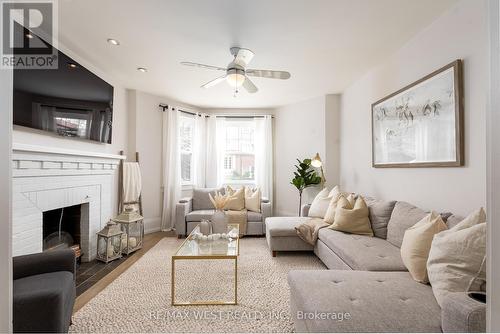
<point>132,182</point>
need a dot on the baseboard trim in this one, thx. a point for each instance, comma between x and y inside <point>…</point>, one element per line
<point>152,225</point>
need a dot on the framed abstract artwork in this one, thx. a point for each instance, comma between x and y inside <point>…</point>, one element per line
<point>421,125</point>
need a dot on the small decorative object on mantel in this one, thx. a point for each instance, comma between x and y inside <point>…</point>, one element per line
<point>109,243</point>
<point>219,218</point>
<point>132,225</point>
<point>421,125</point>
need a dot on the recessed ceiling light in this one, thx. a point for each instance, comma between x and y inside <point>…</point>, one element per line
<point>142,69</point>
<point>113,41</point>
<point>30,36</point>
<point>72,65</point>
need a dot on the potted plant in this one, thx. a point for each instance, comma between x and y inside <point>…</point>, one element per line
<point>305,176</point>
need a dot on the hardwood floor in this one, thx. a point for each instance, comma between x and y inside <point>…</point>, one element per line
<point>94,277</point>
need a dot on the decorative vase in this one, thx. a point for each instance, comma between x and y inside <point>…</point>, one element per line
<point>219,222</point>
<point>205,227</point>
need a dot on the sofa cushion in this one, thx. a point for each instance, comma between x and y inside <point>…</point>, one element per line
<point>362,252</point>
<point>417,244</point>
<point>457,257</point>
<point>253,199</point>
<point>404,216</point>
<point>254,216</point>
<point>320,203</point>
<point>198,215</point>
<point>201,201</point>
<point>380,213</point>
<point>236,200</point>
<point>375,301</point>
<point>283,226</point>
<point>453,220</point>
<point>352,218</point>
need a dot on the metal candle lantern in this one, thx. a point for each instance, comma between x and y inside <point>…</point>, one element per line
<point>132,224</point>
<point>109,243</point>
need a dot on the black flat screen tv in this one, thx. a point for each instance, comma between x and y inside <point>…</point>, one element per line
<point>70,101</point>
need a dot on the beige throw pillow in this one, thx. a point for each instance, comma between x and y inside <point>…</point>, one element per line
<point>417,244</point>
<point>457,257</point>
<point>352,219</point>
<point>237,201</point>
<point>332,206</point>
<point>320,203</point>
<point>253,199</point>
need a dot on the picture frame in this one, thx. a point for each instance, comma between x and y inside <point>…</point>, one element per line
<point>421,125</point>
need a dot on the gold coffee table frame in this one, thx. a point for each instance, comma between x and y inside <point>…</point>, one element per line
<point>233,255</point>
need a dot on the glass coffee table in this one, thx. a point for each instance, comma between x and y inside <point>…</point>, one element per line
<point>196,247</point>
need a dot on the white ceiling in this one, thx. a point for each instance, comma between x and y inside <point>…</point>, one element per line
<point>324,44</point>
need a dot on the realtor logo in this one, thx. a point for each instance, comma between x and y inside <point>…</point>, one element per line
<point>29,34</point>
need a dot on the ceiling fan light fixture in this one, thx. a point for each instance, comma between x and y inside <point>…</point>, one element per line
<point>235,78</point>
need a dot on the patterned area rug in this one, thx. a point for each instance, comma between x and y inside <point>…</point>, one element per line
<point>139,300</point>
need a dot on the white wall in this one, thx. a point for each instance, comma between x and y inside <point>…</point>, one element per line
<point>331,159</point>
<point>493,184</point>
<point>299,134</point>
<point>5,201</point>
<point>302,130</point>
<point>145,137</point>
<point>459,33</point>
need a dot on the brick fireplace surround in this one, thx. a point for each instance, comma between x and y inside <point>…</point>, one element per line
<point>46,179</point>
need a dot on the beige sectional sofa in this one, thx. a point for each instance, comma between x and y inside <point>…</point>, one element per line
<point>367,279</point>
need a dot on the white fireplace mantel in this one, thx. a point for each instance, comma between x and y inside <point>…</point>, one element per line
<point>46,178</point>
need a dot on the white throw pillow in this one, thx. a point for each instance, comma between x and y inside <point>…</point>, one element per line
<point>320,203</point>
<point>253,199</point>
<point>457,256</point>
<point>416,245</point>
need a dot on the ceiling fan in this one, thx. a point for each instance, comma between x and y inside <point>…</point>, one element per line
<point>237,74</point>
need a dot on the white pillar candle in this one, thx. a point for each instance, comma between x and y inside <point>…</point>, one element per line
<point>111,250</point>
<point>124,241</point>
<point>132,242</point>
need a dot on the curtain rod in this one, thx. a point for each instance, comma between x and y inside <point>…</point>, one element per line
<point>164,107</point>
<point>243,116</point>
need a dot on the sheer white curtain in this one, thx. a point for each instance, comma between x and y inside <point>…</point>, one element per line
<point>264,155</point>
<point>200,150</point>
<point>211,165</point>
<point>216,143</point>
<point>171,167</point>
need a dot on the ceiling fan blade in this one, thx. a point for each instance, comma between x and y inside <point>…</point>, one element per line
<point>208,67</point>
<point>268,74</point>
<point>214,82</point>
<point>244,57</point>
<point>249,86</point>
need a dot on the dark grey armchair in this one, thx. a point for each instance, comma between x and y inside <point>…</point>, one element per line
<point>44,291</point>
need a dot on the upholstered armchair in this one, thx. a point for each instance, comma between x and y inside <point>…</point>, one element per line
<point>190,211</point>
<point>44,291</point>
